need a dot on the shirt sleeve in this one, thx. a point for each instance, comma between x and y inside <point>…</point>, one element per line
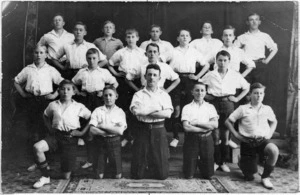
<point>95,118</point>
<point>120,44</point>
<point>77,79</point>
<point>212,112</point>
<point>115,58</point>
<point>246,60</point>
<point>172,76</point>
<point>49,110</point>
<point>22,76</point>
<point>136,101</point>
<point>167,102</point>
<point>201,59</point>
<point>236,115</point>
<point>270,44</point>
<point>42,41</point>
<point>239,42</point>
<point>271,115</point>
<point>243,84</point>
<point>110,79</point>
<point>121,119</point>
<point>185,116</point>
<point>84,112</point>
<point>57,78</point>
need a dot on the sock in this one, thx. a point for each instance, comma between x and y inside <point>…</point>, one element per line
<point>268,169</point>
<point>217,155</point>
<point>43,166</point>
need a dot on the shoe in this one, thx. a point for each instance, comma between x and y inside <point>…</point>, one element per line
<point>80,142</point>
<point>249,178</point>
<point>232,144</point>
<point>267,183</point>
<point>41,182</point>
<point>124,142</point>
<point>174,143</point>
<point>225,168</point>
<point>86,165</point>
<point>216,166</point>
<point>32,167</point>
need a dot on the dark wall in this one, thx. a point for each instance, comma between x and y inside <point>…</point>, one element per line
<point>276,18</point>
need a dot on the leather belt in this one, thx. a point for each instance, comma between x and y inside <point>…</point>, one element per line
<point>153,125</point>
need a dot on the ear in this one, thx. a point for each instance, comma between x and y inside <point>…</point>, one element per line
<point>117,96</point>
<point>146,54</point>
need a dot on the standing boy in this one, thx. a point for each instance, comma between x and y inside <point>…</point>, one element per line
<point>166,48</point>
<point>222,84</point>
<point>257,123</point>
<point>107,44</point>
<point>62,119</point>
<point>151,106</point>
<point>199,120</point>
<point>107,124</point>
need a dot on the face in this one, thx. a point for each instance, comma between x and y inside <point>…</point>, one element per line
<point>66,92</point>
<point>92,60</point>
<point>228,37</point>
<point>206,29</point>
<point>199,92</point>
<point>152,77</point>
<point>152,54</point>
<point>253,22</point>
<point>40,54</point>
<point>109,29</point>
<point>257,95</point>
<point>79,31</point>
<point>109,97</point>
<point>155,33</point>
<point>131,39</point>
<point>184,37</point>
<point>58,22</point>
<point>223,62</point>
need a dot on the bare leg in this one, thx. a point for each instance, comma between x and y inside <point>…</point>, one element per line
<point>271,150</point>
<point>39,150</point>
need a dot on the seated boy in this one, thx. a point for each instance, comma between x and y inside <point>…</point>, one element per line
<point>199,120</point>
<point>92,80</point>
<point>62,119</point>
<point>107,124</point>
<point>257,123</point>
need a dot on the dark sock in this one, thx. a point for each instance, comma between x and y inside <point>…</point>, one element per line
<point>225,153</point>
<point>43,166</point>
<point>217,155</point>
<point>268,169</point>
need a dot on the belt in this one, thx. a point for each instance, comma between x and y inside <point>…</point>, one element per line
<point>200,134</point>
<point>184,74</point>
<point>108,139</point>
<point>221,98</point>
<point>64,133</point>
<point>258,60</point>
<point>254,139</point>
<point>153,125</point>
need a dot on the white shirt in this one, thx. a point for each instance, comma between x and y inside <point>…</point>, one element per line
<point>207,47</point>
<point>165,49</point>
<point>185,61</point>
<point>254,44</point>
<point>254,123</point>
<point>55,43</point>
<point>223,87</point>
<point>69,118</point>
<point>39,81</point>
<point>147,99</point>
<point>115,116</point>
<point>94,80</point>
<point>76,54</point>
<point>167,73</point>
<point>237,56</point>
<point>129,61</point>
<point>198,113</point>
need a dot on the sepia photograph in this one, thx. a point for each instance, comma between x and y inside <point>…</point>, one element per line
<point>149,97</point>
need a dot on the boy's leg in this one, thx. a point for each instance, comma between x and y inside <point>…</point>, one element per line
<point>114,155</point>
<point>190,154</point>
<point>206,163</point>
<point>68,153</point>
<point>248,162</point>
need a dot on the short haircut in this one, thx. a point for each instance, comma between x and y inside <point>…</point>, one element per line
<point>153,45</point>
<point>153,66</point>
<point>155,26</point>
<point>199,83</point>
<point>92,51</point>
<point>111,87</point>
<point>59,14</point>
<point>229,27</point>
<point>184,30</point>
<point>82,24</point>
<point>257,86</point>
<point>207,22</point>
<point>40,45</point>
<point>131,31</point>
<point>253,14</point>
<point>109,22</point>
<point>66,82</point>
<point>223,53</point>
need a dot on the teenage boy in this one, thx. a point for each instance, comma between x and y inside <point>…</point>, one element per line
<point>108,44</point>
<point>166,48</point>
<point>257,123</point>
<point>222,84</point>
<point>151,106</point>
<point>199,119</point>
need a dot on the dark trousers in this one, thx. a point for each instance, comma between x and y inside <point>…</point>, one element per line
<point>107,148</point>
<point>150,150</point>
<point>197,145</point>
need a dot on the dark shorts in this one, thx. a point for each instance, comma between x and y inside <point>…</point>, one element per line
<point>91,100</point>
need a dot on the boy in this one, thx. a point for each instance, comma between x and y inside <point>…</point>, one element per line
<point>76,52</point>
<point>92,80</point>
<point>62,119</point>
<point>222,84</point>
<point>257,123</point>
<point>207,45</point>
<point>151,106</point>
<point>166,48</point>
<point>107,44</point>
<point>199,119</point>
<point>107,124</point>
<point>237,55</point>
<point>253,43</point>
<point>55,40</point>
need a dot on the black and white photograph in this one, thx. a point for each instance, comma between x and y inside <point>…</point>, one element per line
<point>149,97</point>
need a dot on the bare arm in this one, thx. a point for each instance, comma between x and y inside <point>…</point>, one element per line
<point>271,56</point>
<point>203,71</point>
<point>96,131</point>
<point>239,97</point>
<point>132,85</point>
<point>21,91</point>
<point>190,128</point>
<point>246,72</point>
<point>211,125</point>
<point>273,125</point>
<point>114,72</point>
<point>173,85</point>
<point>117,129</point>
<point>102,63</point>
<point>162,114</point>
<point>230,125</point>
<point>58,65</point>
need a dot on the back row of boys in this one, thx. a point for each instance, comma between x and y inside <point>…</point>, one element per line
<point>130,60</point>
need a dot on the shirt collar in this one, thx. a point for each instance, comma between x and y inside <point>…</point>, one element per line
<point>249,33</point>
<point>251,107</point>
<point>194,103</point>
<point>97,69</point>
<point>54,33</point>
<point>106,110</point>
<point>112,38</point>
<point>151,41</point>
<point>136,48</point>
<point>159,90</point>
<point>34,66</point>
<point>83,43</point>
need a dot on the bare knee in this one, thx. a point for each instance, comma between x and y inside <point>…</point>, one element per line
<point>40,147</point>
<point>271,150</point>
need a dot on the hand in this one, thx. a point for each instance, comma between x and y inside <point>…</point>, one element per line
<point>82,93</point>
<point>100,93</point>
<point>208,97</point>
<point>241,138</point>
<point>84,66</point>
<point>51,96</point>
<point>121,74</point>
<point>264,61</point>
<point>76,133</point>
<point>193,77</point>
<point>176,112</point>
<point>233,99</point>
<point>194,122</point>
<point>26,95</point>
